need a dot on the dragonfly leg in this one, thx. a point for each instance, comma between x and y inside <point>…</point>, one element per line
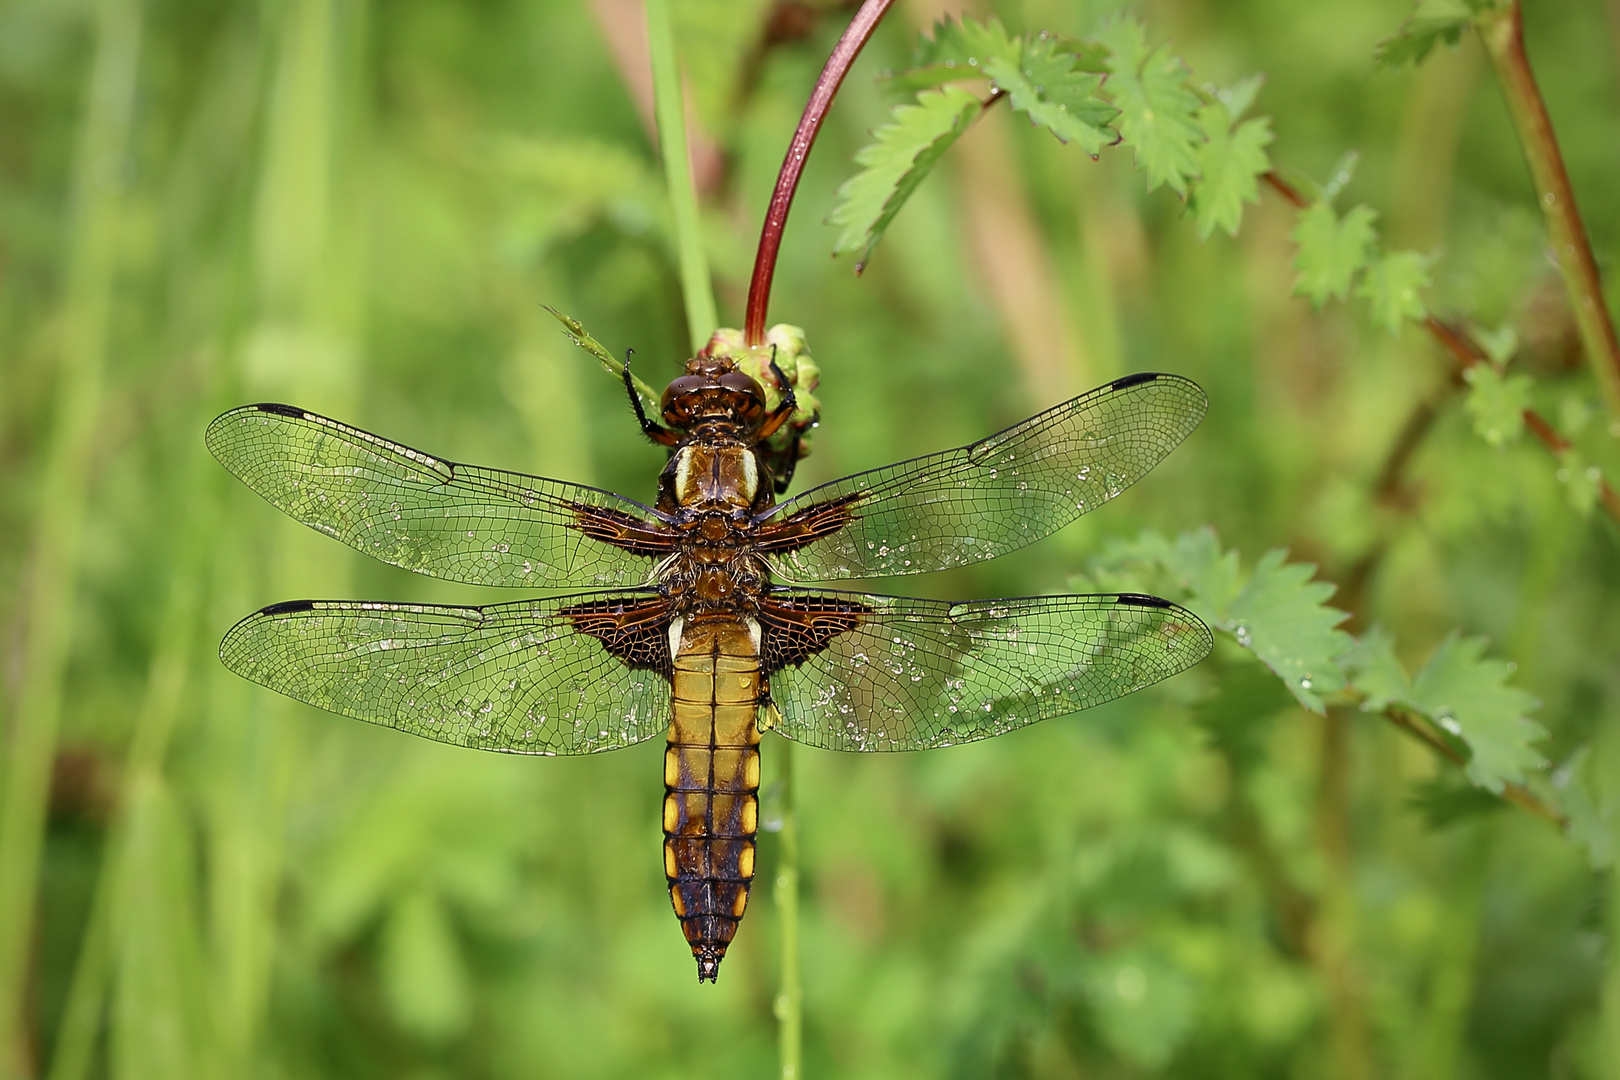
<point>653,430</point>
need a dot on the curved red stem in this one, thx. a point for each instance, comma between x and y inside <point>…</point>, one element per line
<point>787,180</point>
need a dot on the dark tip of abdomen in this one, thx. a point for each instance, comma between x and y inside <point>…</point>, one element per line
<point>708,961</point>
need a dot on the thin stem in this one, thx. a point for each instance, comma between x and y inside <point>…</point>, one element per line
<point>1517,794</point>
<point>790,996</point>
<point>787,180</point>
<point>1467,353</point>
<point>54,570</point>
<point>1502,31</point>
<point>669,106</point>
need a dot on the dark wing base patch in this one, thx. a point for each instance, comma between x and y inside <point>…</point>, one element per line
<point>637,634</point>
<point>814,522</point>
<point>795,628</point>
<point>624,531</point>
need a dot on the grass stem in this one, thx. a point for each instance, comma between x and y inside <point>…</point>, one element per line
<point>59,529</point>
<point>669,106</point>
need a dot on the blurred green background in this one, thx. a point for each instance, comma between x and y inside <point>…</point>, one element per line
<point>361,207</point>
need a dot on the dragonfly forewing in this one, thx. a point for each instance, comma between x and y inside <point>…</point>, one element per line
<point>994,496</point>
<point>435,516</point>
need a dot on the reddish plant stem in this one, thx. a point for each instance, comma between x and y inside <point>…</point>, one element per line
<point>1502,32</point>
<point>1469,352</point>
<point>787,180</point>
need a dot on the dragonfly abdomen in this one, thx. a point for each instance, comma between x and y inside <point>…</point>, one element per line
<point>711,781</point>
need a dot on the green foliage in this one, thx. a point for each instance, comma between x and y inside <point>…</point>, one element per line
<point>363,212</point>
<point>1433,22</point>
<point>1158,113</point>
<point>1278,612</point>
<point>1391,287</point>
<point>1230,162</point>
<point>893,165</point>
<point>1496,403</point>
<point>1332,250</point>
<point>1464,694</point>
<point>1582,480</point>
<point>1047,86</point>
<point>1074,88</point>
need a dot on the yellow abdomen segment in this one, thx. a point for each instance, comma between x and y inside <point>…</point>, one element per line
<point>711,782</point>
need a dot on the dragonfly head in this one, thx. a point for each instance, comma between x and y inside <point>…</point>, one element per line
<point>715,396</point>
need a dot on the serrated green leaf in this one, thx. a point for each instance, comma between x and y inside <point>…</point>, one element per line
<point>1198,563</point>
<point>1376,671</point>
<point>967,44</point>
<point>1158,113</point>
<point>1434,21</point>
<point>894,164</point>
<point>1468,696</point>
<point>1045,85</point>
<point>1589,821</point>
<point>1496,403</point>
<point>1279,614</point>
<point>1283,618</point>
<point>1582,481</point>
<point>1331,250</point>
<point>1230,163</point>
<point>1391,286</point>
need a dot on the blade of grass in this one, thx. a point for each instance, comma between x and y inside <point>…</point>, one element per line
<point>669,105</point>
<point>53,576</point>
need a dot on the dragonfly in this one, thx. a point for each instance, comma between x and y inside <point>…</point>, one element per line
<point>698,617</point>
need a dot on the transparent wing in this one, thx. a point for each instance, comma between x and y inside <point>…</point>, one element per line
<point>980,501</point>
<point>436,517</point>
<point>888,673</point>
<point>514,677</point>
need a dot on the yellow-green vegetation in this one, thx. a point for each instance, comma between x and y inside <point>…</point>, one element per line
<point>1370,837</point>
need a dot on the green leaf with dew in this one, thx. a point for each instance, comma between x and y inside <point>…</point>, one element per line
<point>1047,86</point>
<point>1467,695</point>
<point>965,43</point>
<point>1282,616</point>
<point>1462,692</point>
